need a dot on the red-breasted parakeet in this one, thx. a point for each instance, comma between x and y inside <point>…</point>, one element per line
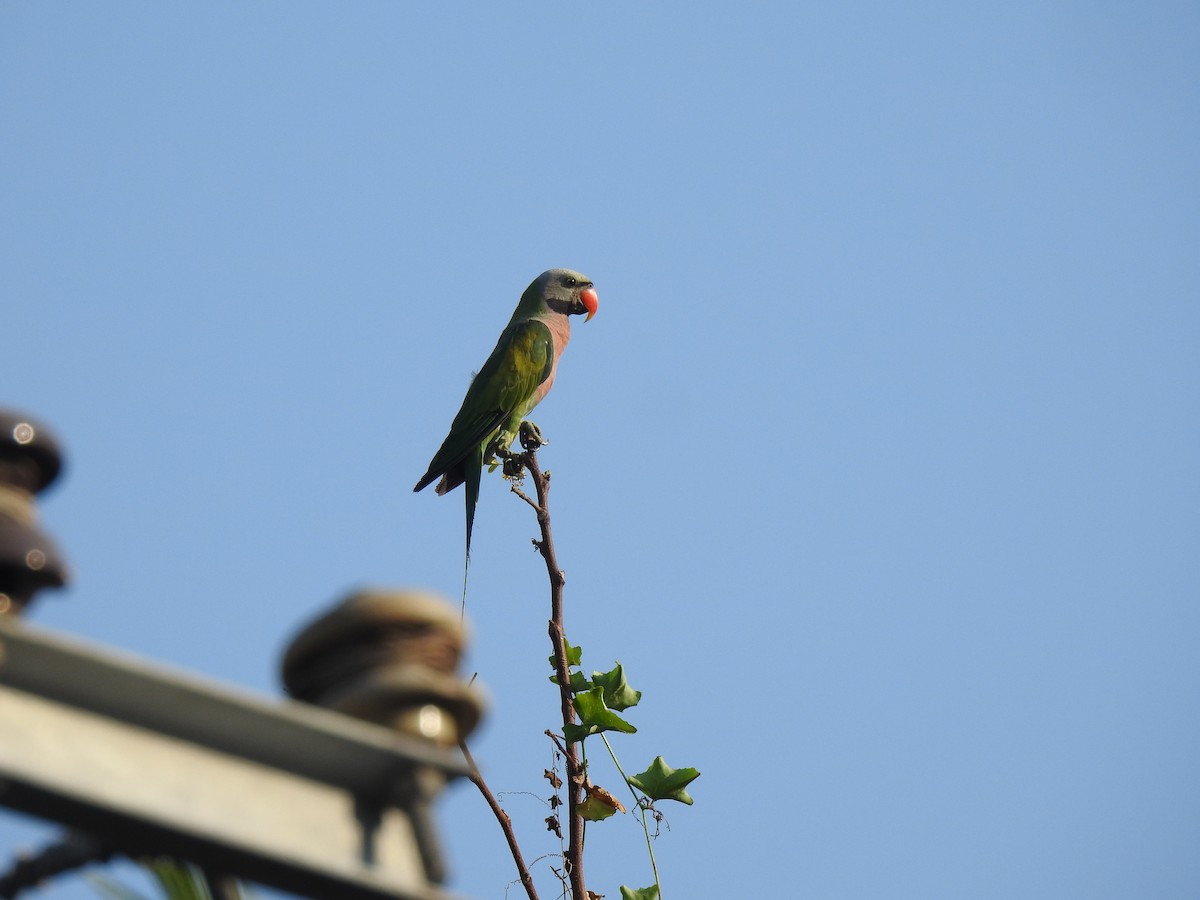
<point>518,374</point>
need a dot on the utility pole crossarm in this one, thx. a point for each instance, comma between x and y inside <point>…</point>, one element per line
<point>154,761</point>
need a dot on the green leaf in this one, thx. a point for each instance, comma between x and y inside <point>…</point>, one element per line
<point>617,692</point>
<point>113,890</point>
<point>646,893</point>
<point>578,682</point>
<point>592,810</point>
<point>594,717</point>
<point>574,655</point>
<point>177,881</point>
<point>661,782</point>
<point>599,804</point>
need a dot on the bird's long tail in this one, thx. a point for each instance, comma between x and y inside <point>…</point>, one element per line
<point>474,471</point>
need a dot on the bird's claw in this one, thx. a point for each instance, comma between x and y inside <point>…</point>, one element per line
<point>531,436</point>
<point>514,468</point>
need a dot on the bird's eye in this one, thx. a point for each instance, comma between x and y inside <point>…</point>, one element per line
<point>569,282</point>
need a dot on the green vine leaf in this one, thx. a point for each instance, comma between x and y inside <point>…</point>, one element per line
<point>578,682</point>
<point>594,717</point>
<point>617,692</point>
<point>661,782</point>
<point>574,657</point>
<point>599,804</point>
<point>646,893</point>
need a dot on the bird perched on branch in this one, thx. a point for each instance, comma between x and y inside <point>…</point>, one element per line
<point>518,374</point>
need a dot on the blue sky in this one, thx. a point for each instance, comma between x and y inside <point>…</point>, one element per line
<point>876,469</point>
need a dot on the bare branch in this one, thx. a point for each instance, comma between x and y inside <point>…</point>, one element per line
<point>520,493</point>
<point>575,773</point>
<point>502,817</point>
<point>516,467</point>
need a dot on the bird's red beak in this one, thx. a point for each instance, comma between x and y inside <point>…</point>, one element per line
<point>590,301</point>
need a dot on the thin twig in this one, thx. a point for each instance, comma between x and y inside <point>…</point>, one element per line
<point>558,741</point>
<point>502,817</point>
<point>520,493</point>
<point>641,808</point>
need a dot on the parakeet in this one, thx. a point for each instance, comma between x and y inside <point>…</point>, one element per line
<point>518,374</point>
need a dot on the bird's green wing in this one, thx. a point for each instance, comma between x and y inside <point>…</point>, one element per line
<point>522,360</point>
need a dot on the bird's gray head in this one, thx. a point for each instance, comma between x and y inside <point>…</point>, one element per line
<point>563,291</point>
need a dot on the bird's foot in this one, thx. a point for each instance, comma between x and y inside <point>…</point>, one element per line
<point>513,463</point>
<point>531,436</point>
<point>514,468</point>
